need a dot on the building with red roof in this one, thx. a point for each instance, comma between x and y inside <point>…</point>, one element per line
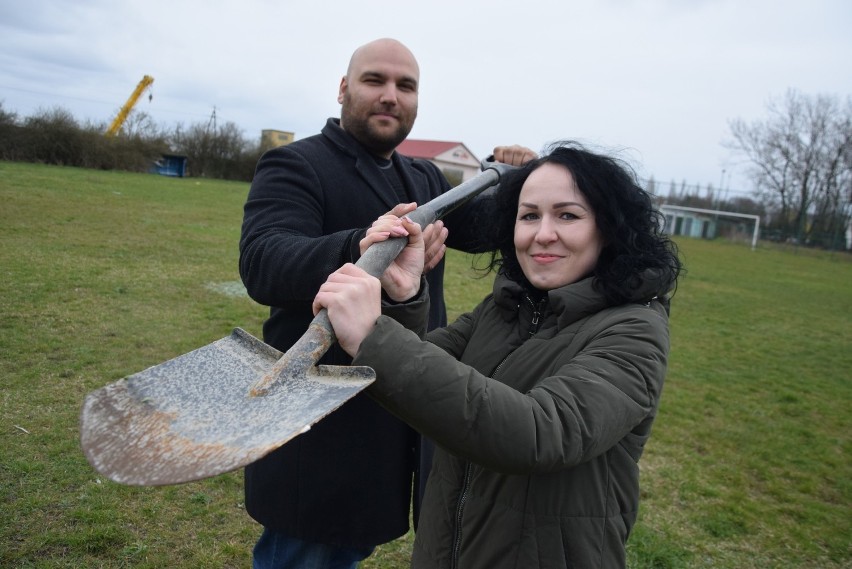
<point>454,159</point>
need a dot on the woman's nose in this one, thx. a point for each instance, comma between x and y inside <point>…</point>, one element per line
<point>546,232</point>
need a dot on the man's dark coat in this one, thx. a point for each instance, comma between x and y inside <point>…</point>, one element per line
<point>348,480</point>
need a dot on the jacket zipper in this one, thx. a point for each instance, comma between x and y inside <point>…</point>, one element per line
<point>456,551</point>
<point>537,311</point>
<point>459,514</point>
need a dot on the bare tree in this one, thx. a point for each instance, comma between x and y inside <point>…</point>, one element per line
<point>7,117</point>
<point>216,152</point>
<point>801,162</point>
<point>140,124</point>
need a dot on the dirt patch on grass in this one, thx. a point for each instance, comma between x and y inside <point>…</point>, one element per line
<point>228,288</point>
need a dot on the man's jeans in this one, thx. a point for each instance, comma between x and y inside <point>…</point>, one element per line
<point>277,551</point>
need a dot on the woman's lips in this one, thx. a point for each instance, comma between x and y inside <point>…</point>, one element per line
<point>546,258</point>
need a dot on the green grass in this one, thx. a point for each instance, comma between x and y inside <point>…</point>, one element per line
<point>750,459</point>
<point>106,273</point>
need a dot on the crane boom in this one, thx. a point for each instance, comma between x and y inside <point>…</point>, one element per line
<point>118,121</point>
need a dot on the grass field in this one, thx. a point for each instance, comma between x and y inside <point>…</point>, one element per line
<point>105,274</point>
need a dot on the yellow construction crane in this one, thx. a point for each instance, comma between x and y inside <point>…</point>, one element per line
<point>128,106</point>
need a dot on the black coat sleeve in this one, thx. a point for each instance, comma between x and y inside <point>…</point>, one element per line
<point>285,253</point>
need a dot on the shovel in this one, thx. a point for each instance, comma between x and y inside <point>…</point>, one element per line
<point>229,403</point>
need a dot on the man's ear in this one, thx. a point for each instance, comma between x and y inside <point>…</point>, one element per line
<point>343,86</point>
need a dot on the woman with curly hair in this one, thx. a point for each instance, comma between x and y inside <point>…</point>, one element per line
<point>540,399</point>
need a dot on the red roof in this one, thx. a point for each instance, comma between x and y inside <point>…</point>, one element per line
<point>425,148</point>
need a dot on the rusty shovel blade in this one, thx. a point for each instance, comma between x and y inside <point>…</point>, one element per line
<point>227,404</point>
<point>137,430</point>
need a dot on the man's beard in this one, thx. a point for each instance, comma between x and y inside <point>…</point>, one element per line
<point>375,142</point>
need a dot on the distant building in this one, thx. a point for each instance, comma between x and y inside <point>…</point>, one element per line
<point>274,138</point>
<point>454,159</point>
<point>710,223</point>
<point>689,222</point>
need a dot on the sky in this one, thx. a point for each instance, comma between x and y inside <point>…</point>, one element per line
<point>655,82</point>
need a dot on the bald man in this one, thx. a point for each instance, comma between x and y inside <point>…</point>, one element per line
<point>329,496</point>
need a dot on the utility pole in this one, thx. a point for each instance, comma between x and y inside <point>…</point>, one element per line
<point>212,120</point>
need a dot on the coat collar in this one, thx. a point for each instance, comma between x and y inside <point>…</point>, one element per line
<point>367,168</point>
<point>566,304</point>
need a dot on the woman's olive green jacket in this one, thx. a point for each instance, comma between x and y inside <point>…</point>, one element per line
<point>540,412</point>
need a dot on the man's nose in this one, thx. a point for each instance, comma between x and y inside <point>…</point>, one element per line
<point>389,94</point>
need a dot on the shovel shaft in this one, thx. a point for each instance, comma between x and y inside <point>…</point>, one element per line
<point>319,337</point>
<point>380,256</point>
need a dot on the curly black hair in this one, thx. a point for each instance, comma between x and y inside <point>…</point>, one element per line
<point>624,214</point>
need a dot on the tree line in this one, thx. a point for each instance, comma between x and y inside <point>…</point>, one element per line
<point>54,136</point>
<point>799,160</point>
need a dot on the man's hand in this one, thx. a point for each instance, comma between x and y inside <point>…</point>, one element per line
<point>434,237</point>
<point>401,280</point>
<point>514,155</point>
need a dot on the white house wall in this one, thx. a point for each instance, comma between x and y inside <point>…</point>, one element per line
<point>458,158</point>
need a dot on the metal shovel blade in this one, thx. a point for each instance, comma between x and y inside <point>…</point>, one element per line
<point>231,402</point>
<point>138,431</point>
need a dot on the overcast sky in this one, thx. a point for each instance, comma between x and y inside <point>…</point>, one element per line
<point>658,79</point>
